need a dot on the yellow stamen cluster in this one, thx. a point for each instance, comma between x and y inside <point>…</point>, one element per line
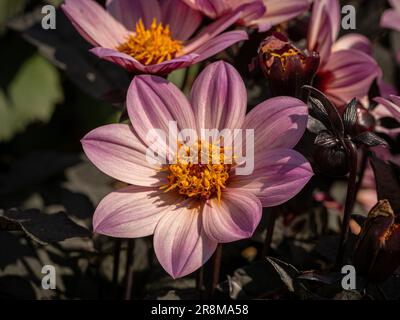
<point>285,55</point>
<point>153,45</point>
<point>199,180</point>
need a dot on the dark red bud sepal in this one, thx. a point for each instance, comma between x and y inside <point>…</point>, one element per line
<point>377,253</point>
<point>286,67</point>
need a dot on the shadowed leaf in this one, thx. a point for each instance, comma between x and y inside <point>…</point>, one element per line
<point>41,227</point>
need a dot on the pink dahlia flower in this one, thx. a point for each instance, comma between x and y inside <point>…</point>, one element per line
<point>391,19</point>
<point>276,11</point>
<point>190,208</point>
<point>151,36</point>
<point>347,69</point>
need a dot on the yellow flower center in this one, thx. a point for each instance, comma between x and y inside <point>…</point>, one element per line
<point>204,179</point>
<point>153,45</point>
<point>285,55</point>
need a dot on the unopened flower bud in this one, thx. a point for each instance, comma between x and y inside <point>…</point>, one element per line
<point>365,120</point>
<point>331,160</point>
<point>377,254</point>
<point>286,67</point>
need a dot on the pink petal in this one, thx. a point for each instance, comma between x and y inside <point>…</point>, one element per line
<point>135,66</point>
<point>116,151</point>
<point>350,74</point>
<point>279,175</point>
<point>207,7</point>
<point>395,99</point>
<point>395,4</point>
<point>180,242</point>
<point>217,8</point>
<point>367,198</point>
<point>353,41</point>
<point>128,12</point>
<point>386,89</point>
<point>219,98</point>
<point>234,218</point>
<point>219,44</point>
<point>94,23</point>
<point>392,107</point>
<point>132,212</point>
<point>153,102</point>
<point>279,11</point>
<point>219,26</point>
<point>278,123</point>
<point>255,9</point>
<point>324,27</point>
<point>391,19</point>
<point>182,19</point>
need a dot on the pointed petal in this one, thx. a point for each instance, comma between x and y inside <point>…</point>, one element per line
<point>117,151</point>
<point>219,44</point>
<point>207,7</point>
<point>94,23</point>
<point>132,212</point>
<point>132,65</point>
<point>279,11</point>
<point>180,242</point>
<point>234,218</point>
<point>353,41</point>
<point>392,107</point>
<point>395,4</point>
<point>278,123</point>
<point>279,175</point>
<point>391,19</point>
<point>182,19</point>
<point>219,98</point>
<point>324,27</point>
<point>128,12</point>
<point>153,103</point>
<point>347,75</point>
<point>219,26</point>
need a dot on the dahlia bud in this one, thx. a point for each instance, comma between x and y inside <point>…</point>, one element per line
<point>331,160</point>
<point>286,67</point>
<point>377,254</point>
<point>365,120</point>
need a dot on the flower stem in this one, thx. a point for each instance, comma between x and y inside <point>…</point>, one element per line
<point>216,270</point>
<point>363,167</point>
<point>117,254</point>
<point>200,282</point>
<point>350,199</point>
<point>270,231</point>
<point>129,270</point>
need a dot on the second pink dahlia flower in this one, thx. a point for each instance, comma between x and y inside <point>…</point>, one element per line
<point>347,69</point>
<point>152,36</point>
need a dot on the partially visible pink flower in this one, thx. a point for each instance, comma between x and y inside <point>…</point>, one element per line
<point>347,69</point>
<point>391,19</point>
<point>277,11</point>
<point>190,208</point>
<point>367,196</point>
<point>388,107</point>
<point>152,36</point>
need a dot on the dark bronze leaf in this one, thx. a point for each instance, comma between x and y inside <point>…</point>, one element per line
<point>41,227</point>
<point>325,139</point>
<point>369,139</point>
<point>336,123</point>
<point>350,116</point>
